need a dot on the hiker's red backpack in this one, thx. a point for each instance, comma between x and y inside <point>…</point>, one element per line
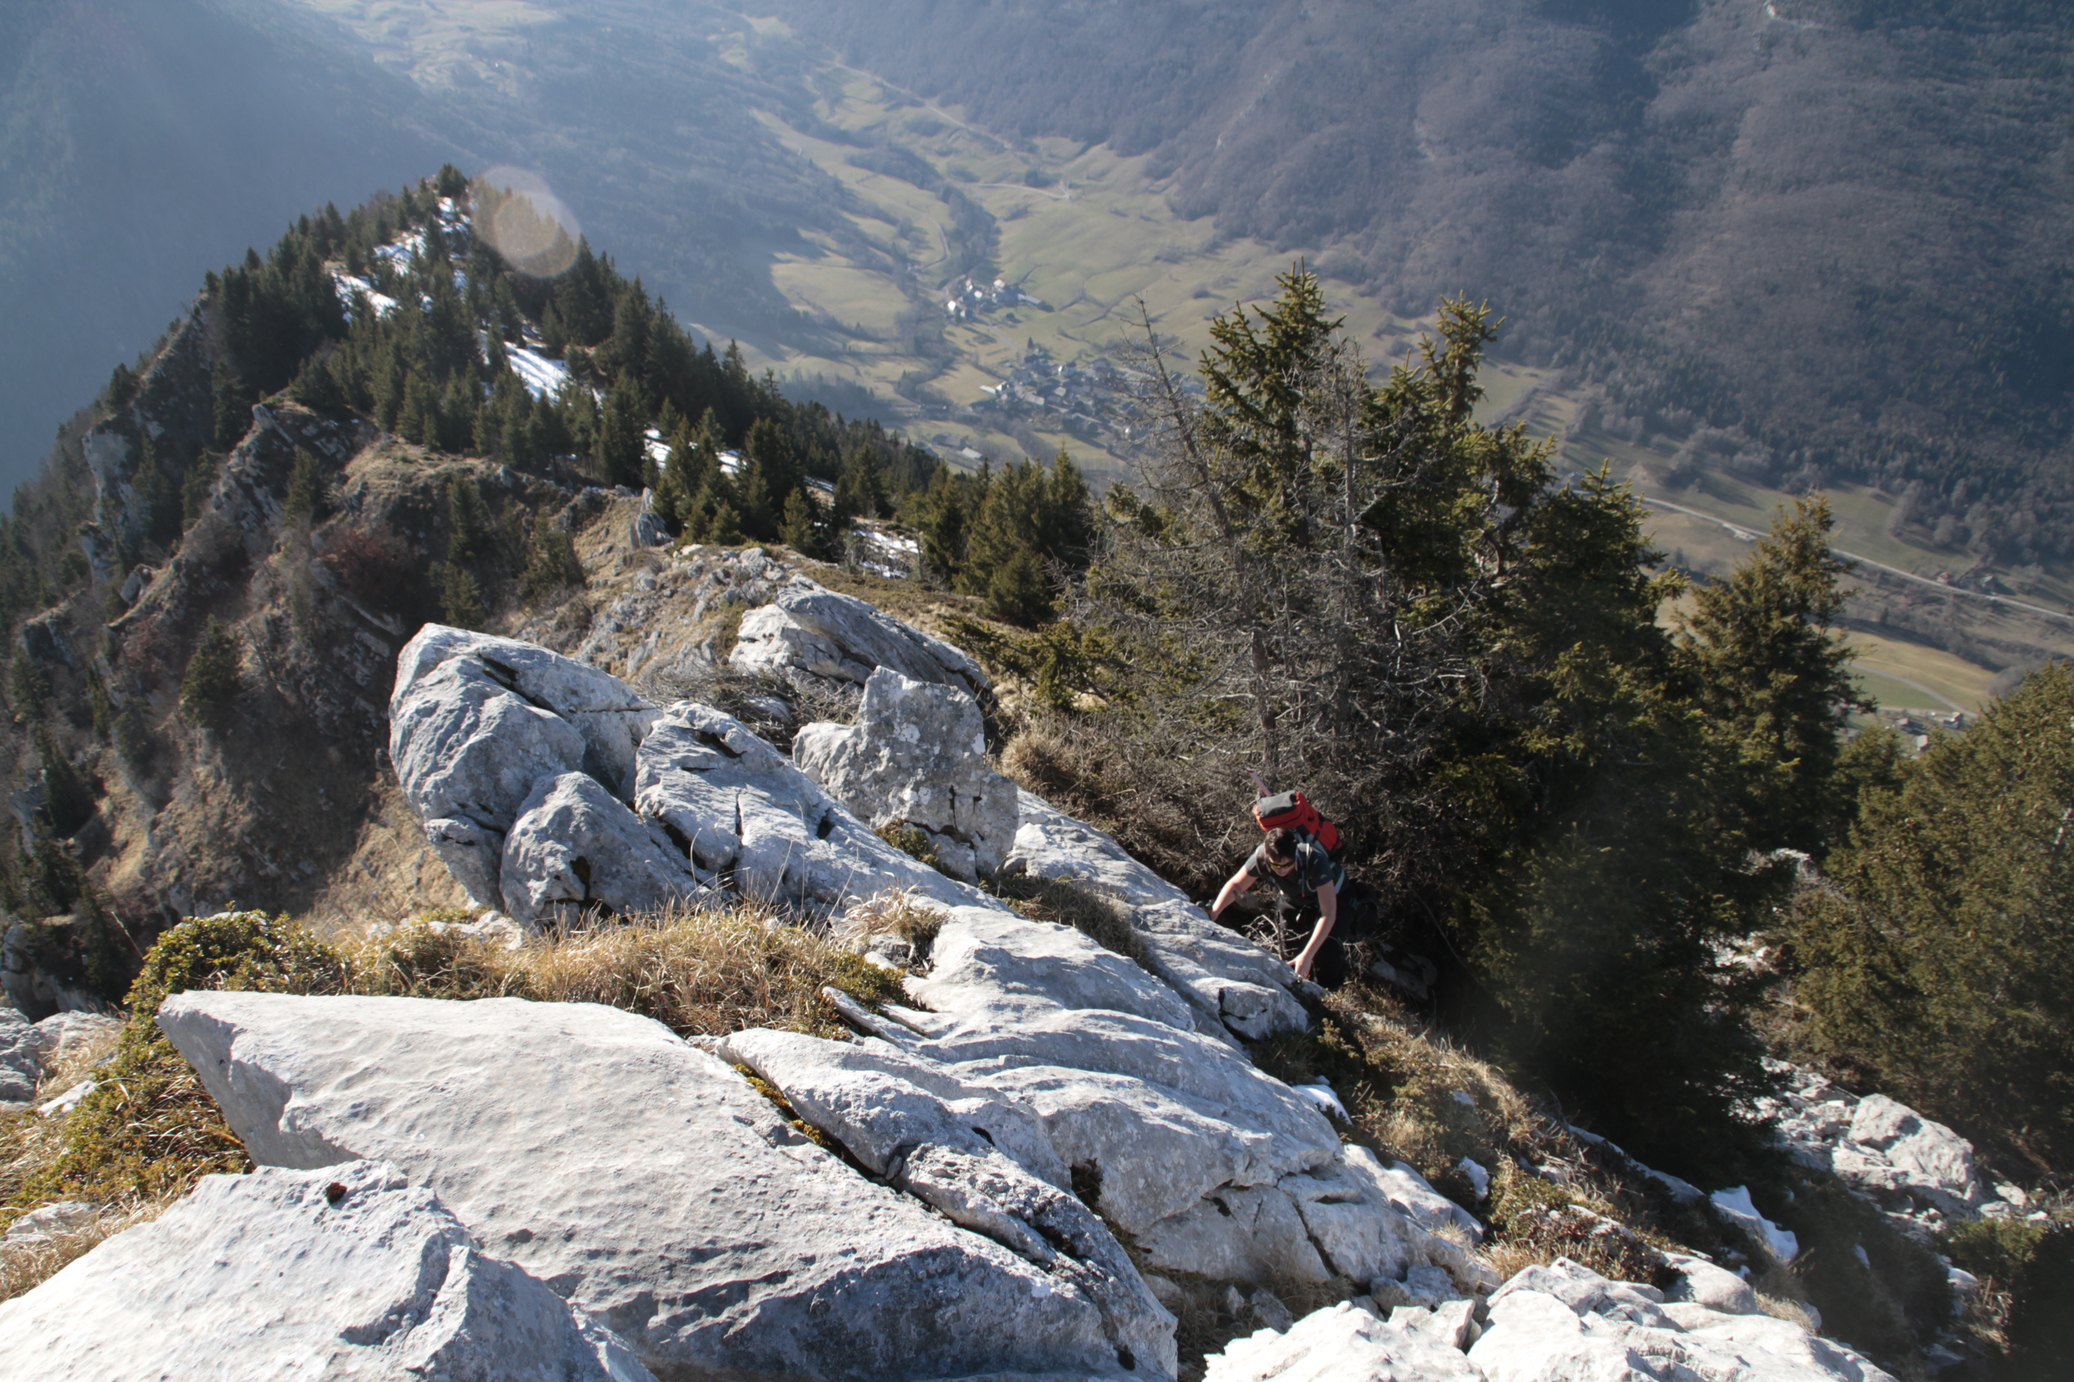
<point>1293,810</point>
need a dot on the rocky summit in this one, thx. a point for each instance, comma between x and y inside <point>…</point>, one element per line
<point>1023,1168</point>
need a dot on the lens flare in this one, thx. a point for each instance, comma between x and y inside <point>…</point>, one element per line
<point>525,221</point>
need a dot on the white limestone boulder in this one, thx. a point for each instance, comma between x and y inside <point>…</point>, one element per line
<point>1413,1195</point>
<point>29,1049</point>
<point>575,847</point>
<point>733,803</point>
<point>1344,1343</point>
<point>642,1178</point>
<point>1051,844</point>
<point>1716,1288</point>
<point>475,721</point>
<point>1231,982</point>
<point>841,639</point>
<point>988,965</point>
<point>344,1272</point>
<point>1214,1167</point>
<point>21,1057</point>
<point>610,716</point>
<point>1565,1321</point>
<point>917,758</point>
<point>1930,1161</point>
<point>968,1157</point>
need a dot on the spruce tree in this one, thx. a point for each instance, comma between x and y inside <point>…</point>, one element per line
<point>1936,961</point>
<point>68,802</point>
<point>460,597</point>
<point>801,528</point>
<point>552,566</point>
<point>1768,664</point>
<point>468,520</point>
<point>209,689</point>
<point>621,445</point>
<point>305,490</point>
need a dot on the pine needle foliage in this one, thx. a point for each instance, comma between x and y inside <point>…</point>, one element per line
<point>1935,965</point>
<point>1355,587</point>
<point>209,687</point>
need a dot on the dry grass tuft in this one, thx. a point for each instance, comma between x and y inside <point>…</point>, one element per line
<point>699,973</point>
<point>1100,918</point>
<point>24,1267</point>
<point>895,912</point>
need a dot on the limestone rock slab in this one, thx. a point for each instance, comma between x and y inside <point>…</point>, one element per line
<point>917,757</point>
<point>609,716</point>
<point>1412,1194</point>
<point>21,1057</point>
<point>840,638</point>
<point>1231,982</point>
<point>989,965</point>
<point>641,1178</point>
<point>732,802</point>
<point>574,846</point>
<point>1342,1343</point>
<point>475,721</point>
<point>348,1272</point>
<point>1564,1321</point>
<point>949,1153</point>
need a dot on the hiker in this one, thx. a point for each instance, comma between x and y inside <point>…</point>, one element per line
<point>1308,883</point>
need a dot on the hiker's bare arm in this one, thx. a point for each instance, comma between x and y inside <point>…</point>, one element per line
<point>1328,915</point>
<point>1233,886</point>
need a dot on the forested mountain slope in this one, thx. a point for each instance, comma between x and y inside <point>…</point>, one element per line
<point>145,141</point>
<point>1829,232</point>
<point>141,143</point>
<point>1837,230</point>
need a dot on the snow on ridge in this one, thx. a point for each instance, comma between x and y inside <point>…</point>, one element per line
<point>542,377</point>
<point>658,449</point>
<point>350,285</point>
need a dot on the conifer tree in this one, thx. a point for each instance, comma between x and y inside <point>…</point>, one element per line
<point>209,689</point>
<point>460,597</point>
<point>1936,961</point>
<point>468,520</point>
<point>724,526</point>
<point>552,566</point>
<point>1767,663</point>
<point>620,442</point>
<point>801,528</point>
<point>28,688</point>
<point>99,704</point>
<point>68,801</point>
<point>305,490</point>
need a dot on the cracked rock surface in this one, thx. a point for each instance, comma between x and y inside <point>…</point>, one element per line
<point>917,758</point>
<point>643,1179</point>
<point>349,1271</point>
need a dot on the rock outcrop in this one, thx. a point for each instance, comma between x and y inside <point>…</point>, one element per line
<point>345,1272</point>
<point>645,1180</point>
<point>1560,1323</point>
<point>840,641</point>
<point>1919,1171</point>
<point>1565,1320</point>
<point>735,805</point>
<point>1230,981</point>
<point>574,848</point>
<point>917,759</point>
<point>29,1049</point>
<point>1213,1167</point>
<point>475,722</point>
